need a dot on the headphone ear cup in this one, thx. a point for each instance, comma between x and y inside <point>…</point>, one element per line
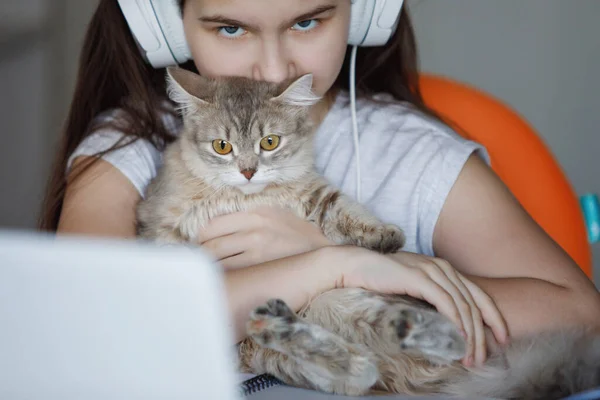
<point>373,22</point>
<point>361,15</point>
<point>169,16</point>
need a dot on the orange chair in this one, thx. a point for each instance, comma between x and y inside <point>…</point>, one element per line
<point>520,159</point>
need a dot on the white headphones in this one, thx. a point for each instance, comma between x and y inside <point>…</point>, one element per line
<point>158,28</point>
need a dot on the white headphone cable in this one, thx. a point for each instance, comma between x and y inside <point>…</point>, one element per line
<point>354,122</point>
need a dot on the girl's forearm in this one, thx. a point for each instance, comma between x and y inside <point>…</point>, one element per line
<point>294,279</point>
<point>532,305</point>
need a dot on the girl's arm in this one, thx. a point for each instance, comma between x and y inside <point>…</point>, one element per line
<point>102,202</point>
<point>485,233</point>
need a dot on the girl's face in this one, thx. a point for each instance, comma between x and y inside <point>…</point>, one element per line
<point>270,40</point>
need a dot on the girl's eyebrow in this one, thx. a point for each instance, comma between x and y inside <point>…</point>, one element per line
<point>220,19</point>
<point>311,14</point>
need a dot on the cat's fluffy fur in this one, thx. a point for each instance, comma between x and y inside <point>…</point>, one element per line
<point>196,184</point>
<point>348,341</point>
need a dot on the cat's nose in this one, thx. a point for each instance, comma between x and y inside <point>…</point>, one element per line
<point>248,173</point>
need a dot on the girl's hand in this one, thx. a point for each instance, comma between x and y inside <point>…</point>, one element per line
<point>248,238</point>
<point>439,284</point>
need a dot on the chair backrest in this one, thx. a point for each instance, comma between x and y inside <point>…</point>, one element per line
<point>519,157</point>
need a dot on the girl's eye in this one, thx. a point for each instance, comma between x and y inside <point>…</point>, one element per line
<point>269,143</point>
<point>306,25</point>
<point>222,147</point>
<point>231,31</point>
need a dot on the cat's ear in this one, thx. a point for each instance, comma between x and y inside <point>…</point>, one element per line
<point>299,93</point>
<point>189,90</point>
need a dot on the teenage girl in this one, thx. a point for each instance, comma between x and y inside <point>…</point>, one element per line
<point>471,250</point>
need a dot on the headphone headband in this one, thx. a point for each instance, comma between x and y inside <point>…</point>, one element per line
<point>158,27</point>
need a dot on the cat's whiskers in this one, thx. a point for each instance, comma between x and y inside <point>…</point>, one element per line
<point>205,179</point>
<point>208,187</point>
<point>217,191</point>
<point>286,167</point>
<point>280,178</point>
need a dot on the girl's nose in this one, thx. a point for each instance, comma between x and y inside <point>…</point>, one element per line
<point>274,64</point>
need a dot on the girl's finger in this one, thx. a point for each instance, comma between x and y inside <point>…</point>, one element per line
<point>465,309</point>
<point>490,313</point>
<point>478,343</point>
<point>427,289</point>
<point>238,261</point>
<point>224,247</point>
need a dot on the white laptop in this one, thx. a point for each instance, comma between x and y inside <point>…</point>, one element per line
<point>98,319</point>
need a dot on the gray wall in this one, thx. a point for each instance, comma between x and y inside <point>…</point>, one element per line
<point>539,56</point>
<point>542,57</point>
<point>39,44</point>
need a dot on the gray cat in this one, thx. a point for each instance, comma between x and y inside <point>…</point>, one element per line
<point>247,143</point>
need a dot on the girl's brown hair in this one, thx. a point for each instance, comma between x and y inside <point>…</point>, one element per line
<point>113,74</point>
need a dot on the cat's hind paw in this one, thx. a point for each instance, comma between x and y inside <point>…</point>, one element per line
<point>273,321</point>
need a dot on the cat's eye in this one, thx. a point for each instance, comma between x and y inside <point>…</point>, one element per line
<point>269,143</point>
<point>222,147</point>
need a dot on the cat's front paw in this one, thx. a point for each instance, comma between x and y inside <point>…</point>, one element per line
<point>429,333</point>
<point>384,238</point>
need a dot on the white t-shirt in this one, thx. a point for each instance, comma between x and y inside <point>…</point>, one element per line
<point>409,162</point>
